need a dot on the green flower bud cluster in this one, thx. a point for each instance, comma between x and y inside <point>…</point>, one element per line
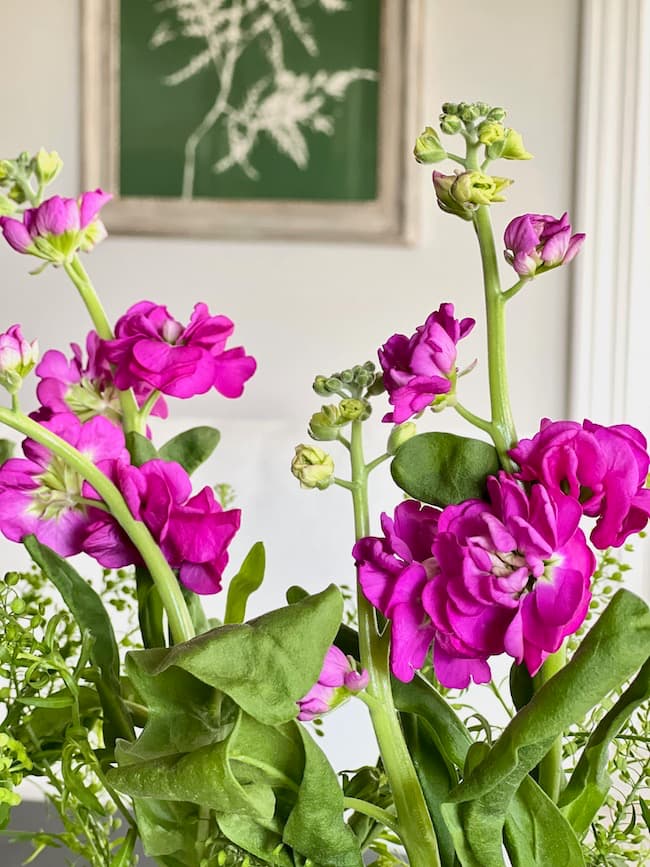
<point>464,116</point>
<point>17,175</point>
<point>326,424</point>
<point>362,380</point>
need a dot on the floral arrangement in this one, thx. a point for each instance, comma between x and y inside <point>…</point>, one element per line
<point>191,738</point>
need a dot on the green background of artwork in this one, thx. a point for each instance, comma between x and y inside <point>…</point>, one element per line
<point>155,119</point>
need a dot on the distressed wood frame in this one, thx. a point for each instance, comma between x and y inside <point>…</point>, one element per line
<point>393,217</point>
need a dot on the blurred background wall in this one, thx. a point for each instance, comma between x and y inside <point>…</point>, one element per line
<point>304,309</point>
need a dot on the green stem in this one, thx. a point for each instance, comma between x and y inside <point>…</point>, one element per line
<point>147,406</point>
<point>79,276</point>
<point>551,775</point>
<point>496,333</point>
<point>166,582</point>
<point>416,829</point>
<point>510,293</point>
<point>377,462</point>
<point>375,812</point>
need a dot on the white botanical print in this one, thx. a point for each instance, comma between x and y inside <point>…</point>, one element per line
<point>282,104</point>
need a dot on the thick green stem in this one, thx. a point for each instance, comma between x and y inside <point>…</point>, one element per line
<point>166,582</point>
<point>551,775</point>
<point>372,810</point>
<point>495,310</point>
<point>79,276</point>
<point>415,827</point>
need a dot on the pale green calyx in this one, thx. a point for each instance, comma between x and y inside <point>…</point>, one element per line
<point>400,434</point>
<point>476,188</point>
<point>428,148</point>
<point>313,467</point>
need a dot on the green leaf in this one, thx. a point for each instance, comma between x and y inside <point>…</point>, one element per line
<point>645,812</point>
<point>449,733</point>
<point>191,448</point>
<point>246,581</point>
<point>435,777</point>
<point>522,688</point>
<point>150,609</point>
<point>536,832</point>
<point>7,448</point>
<point>590,783</point>
<point>140,448</point>
<point>265,665</point>
<point>442,468</point>
<point>315,826</point>
<point>610,653</point>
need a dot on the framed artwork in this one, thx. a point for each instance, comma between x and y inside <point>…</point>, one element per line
<point>253,118</point>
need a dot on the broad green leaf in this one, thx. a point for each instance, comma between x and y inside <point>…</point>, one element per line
<point>264,843</point>
<point>7,448</point>
<point>205,776</point>
<point>609,654</point>
<point>246,581</point>
<point>265,665</point>
<point>590,783</point>
<point>536,832</point>
<point>449,733</point>
<point>442,468</point>
<point>191,448</point>
<point>315,827</point>
<point>88,610</point>
<point>435,777</point>
<point>167,828</point>
<point>140,448</point>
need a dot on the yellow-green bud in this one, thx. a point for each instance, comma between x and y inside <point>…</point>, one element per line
<point>399,435</point>
<point>443,185</point>
<point>497,114</point>
<point>325,425</point>
<point>428,148</point>
<point>475,188</point>
<point>47,165</point>
<point>5,169</point>
<point>353,409</point>
<point>7,207</point>
<point>514,148</point>
<point>490,131</point>
<point>313,467</point>
<point>17,194</point>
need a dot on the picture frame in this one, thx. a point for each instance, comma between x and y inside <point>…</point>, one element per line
<point>389,215</point>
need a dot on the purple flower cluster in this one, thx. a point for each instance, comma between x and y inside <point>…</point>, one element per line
<point>420,369</point>
<point>41,495</point>
<point>510,574</point>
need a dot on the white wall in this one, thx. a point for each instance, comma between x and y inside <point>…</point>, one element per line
<point>304,309</point>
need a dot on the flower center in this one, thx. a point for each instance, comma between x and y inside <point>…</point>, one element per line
<point>59,491</point>
<point>87,399</point>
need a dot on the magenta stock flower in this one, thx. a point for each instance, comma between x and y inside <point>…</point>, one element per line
<point>337,681</point>
<point>59,227</point>
<point>421,368</point>
<point>193,531</point>
<point>605,468</point>
<point>85,388</point>
<point>514,576</point>
<point>182,361</point>
<point>535,241</point>
<point>39,494</point>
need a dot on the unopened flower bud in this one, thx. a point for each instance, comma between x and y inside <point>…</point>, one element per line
<point>450,124</point>
<point>47,166</point>
<point>17,194</point>
<point>443,184</point>
<point>313,467</point>
<point>476,188</point>
<point>399,435</point>
<point>325,425</point>
<point>514,147</point>
<point>490,131</point>
<point>337,681</point>
<point>352,409</point>
<point>428,148</point>
<point>449,108</point>
<point>497,114</point>
<point>7,207</point>
<point>17,358</point>
<point>483,108</point>
<point>320,386</point>
<point>469,113</point>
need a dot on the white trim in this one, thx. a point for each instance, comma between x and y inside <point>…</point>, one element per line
<point>610,334</point>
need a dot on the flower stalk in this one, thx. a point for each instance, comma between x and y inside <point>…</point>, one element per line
<point>415,826</point>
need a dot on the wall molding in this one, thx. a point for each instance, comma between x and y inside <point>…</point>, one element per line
<point>610,331</point>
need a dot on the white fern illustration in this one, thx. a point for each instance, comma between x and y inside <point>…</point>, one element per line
<point>282,105</point>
